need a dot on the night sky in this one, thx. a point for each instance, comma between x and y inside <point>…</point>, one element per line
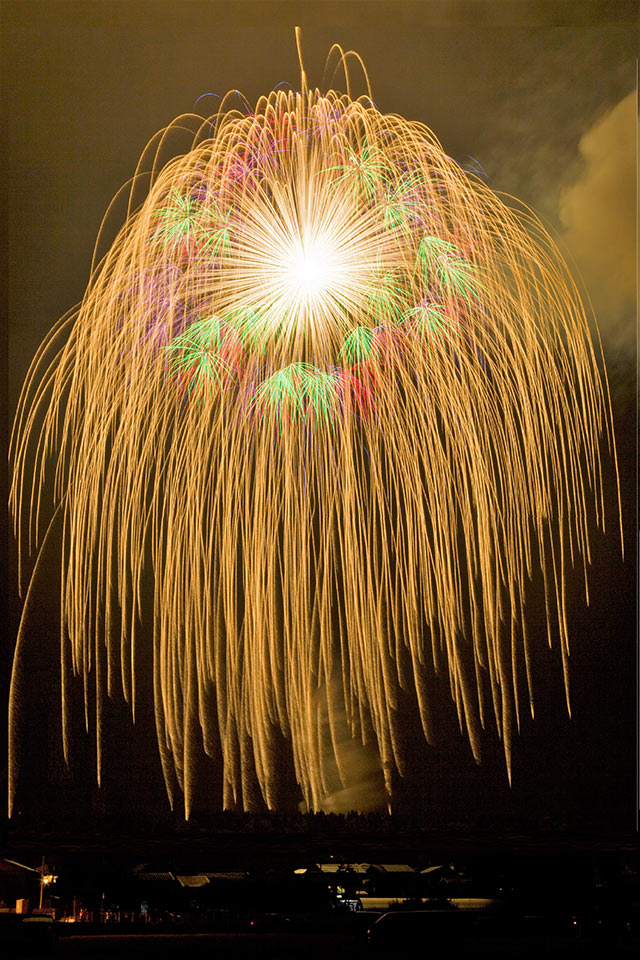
<point>541,98</point>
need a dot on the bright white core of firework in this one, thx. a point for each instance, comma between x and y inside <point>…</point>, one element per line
<point>303,269</point>
<point>311,272</point>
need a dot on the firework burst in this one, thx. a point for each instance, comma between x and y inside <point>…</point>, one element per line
<point>341,399</point>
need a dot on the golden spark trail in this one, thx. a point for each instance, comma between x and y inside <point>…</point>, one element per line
<point>342,400</point>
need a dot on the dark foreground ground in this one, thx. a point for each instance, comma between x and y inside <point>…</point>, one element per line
<point>562,878</point>
<point>312,946</point>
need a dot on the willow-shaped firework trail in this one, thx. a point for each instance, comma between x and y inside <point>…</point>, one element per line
<point>343,400</point>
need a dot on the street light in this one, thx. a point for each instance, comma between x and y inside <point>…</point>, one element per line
<point>45,880</point>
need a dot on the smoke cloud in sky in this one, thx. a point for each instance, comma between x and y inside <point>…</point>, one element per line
<point>361,786</point>
<point>597,212</point>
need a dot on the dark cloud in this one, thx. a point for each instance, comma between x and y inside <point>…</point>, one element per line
<point>555,83</point>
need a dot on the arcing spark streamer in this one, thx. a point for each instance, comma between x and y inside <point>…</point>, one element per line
<point>343,400</point>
